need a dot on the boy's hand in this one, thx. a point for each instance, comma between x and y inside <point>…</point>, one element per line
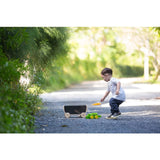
<point>117,92</point>
<point>102,99</point>
<point>106,94</point>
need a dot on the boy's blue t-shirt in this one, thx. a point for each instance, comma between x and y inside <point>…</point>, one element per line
<point>112,87</point>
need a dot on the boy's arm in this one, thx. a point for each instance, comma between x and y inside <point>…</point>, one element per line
<point>118,88</point>
<point>106,94</point>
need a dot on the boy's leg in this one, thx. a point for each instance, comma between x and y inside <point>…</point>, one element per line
<point>114,103</point>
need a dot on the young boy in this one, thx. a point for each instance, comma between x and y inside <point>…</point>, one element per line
<point>118,94</point>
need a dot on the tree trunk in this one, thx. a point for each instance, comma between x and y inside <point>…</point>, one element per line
<point>157,74</point>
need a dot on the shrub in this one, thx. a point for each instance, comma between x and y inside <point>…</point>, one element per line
<point>17,105</point>
<point>130,71</point>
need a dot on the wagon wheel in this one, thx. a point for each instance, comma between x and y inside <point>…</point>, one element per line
<point>67,115</point>
<point>82,114</point>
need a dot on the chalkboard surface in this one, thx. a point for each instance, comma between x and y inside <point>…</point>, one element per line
<point>75,109</point>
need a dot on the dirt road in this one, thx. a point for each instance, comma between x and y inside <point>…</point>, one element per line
<point>140,112</point>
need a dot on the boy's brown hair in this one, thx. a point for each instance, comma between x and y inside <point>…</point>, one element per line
<point>106,70</point>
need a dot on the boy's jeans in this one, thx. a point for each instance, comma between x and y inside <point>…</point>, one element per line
<point>114,103</point>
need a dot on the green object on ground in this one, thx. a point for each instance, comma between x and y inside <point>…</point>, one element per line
<point>93,116</point>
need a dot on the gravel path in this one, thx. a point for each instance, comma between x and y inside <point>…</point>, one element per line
<point>140,112</point>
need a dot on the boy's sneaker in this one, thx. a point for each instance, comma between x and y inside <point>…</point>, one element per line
<point>113,115</point>
<point>116,114</point>
<point>108,117</point>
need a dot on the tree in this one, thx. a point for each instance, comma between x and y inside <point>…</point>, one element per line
<point>36,47</point>
<point>145,40</point>
<point>156,52</point>
<point>101,46</point>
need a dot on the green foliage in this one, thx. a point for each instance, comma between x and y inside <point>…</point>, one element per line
<point>17,110</point>
<point>49,44</point>
<point>157,29</point>
<point>129,71</point>
<point>13,42</point>
<point>103,50</point>
<point>17,106</point>
<point>37,48</point>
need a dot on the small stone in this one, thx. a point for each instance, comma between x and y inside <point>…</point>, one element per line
<point>64,126</point>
